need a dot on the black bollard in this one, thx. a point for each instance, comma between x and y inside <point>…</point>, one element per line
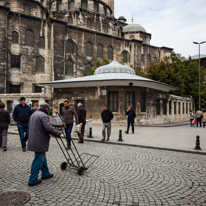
<point>90,133</point>
<point>197,147</point>
<point>120,136</point>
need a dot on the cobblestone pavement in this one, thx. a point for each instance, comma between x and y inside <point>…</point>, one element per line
<point>121,176</point>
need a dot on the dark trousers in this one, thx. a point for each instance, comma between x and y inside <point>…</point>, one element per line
<point>68,132</point>
<point>199,120</point>
<point>81,135</point>
<point>128,126</point>
<point>23,127</point>
<point>39,163</point>
<point>3,137</point>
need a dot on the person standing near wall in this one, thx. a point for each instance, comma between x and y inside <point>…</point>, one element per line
<point>68,113</point>
<point>204,118</point>
<point>191,117</point>
<point>21,115</point>
<point>199,117</point>
<point>40,129</point>
<point>131,116</point>
<point>107,116</point>
<point>82,113</point>
<point>4,125</point>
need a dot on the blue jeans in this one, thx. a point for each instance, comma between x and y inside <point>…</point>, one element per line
<point>69,130</point>
<point>39,163</point>
<point>23,127</point>
<point>191,122</point>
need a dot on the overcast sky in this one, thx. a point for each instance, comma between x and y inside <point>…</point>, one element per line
<point>174,24</point>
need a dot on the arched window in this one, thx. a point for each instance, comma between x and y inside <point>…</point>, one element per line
<point>105,11</point>
<point>108,12</point>
<point>144,39</point>
<point>84,5</point>
<point>70,20</point>
<point>69,68</point>
<point>97,25</point>
<point>110,53</point>
<point>15,37</point>
<point>132,37</point>
<point>96,9</point>
<point>69,47</point>
<point>89,23</point>
<point>142,60</point>
<point>124,55</point>
<point>59,7</point>
<point>99,51</point>
<point>89,49</point>
<point>40,64</point>
<point>7,4</point>
<point>59,18</point>
<point>29,35</point>
<point>71,5</point>
<point>42,15</point>
<point>88,69</point>
<point>27,9</point>
<point>105,28</point>
<point>42,42</point>
<point>148,59</point>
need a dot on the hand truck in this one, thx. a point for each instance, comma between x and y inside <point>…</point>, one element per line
<point>73,159</point>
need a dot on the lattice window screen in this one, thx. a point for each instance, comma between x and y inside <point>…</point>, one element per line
<point>15,37</point>
<point>29,35</point>
<point>99,51</point>
<point>124,54</point>
<point>42,43</point>
<point>27,9</point>
<point>40,64</point>
<point>69,68</point>
<point>69,47</point>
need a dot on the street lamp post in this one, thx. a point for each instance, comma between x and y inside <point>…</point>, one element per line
<point>199,70</point>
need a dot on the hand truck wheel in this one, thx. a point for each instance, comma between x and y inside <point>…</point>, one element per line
<point>63,165</point>
<point>80,171</point>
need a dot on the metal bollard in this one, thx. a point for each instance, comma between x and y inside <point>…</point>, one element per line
<point>120,136</point>
<point>197,147</point>
<point>90,133</point>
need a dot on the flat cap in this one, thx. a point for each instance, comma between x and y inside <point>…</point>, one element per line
<point>45,105</point>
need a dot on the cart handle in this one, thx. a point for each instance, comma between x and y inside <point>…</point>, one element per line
<point>55,112</point>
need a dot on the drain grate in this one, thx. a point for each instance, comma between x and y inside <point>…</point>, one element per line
<point>14,198</point>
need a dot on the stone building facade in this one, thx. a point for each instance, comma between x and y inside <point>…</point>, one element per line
<point>51,40</point>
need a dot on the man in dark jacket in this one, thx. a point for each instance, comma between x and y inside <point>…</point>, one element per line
<point>4,125</point>
<point>81,113</point>
<point>38,142</point>
<point>68,113</point>
<point>21,115</point>
<point>131,116</point>
<point>107,116</point>
<point>199,117</point>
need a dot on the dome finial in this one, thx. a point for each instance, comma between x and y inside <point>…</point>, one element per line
<point>114,56</point>
<point>132,20</point>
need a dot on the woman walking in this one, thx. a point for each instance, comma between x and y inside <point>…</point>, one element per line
<point>4,125</point>
<point>204,118</point>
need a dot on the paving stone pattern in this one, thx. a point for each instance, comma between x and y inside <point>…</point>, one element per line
<point>121,176</point>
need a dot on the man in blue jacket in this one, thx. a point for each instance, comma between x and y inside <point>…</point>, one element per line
<point>39,130</point>
<point>21,115</point>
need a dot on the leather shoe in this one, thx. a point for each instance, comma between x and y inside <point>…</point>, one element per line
<point>24,150</point>
<point>44,178</point>
<point>81,141</point>
<point>33,184</point>
<point>126,132</point>
<point>4,149</point>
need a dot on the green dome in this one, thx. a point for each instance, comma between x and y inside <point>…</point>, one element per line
<point>133,28</point>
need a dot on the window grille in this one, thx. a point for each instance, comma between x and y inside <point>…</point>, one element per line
<point>29,35</point>
<point>88,69</point>
<point>96,8</point>
<point>148,59</point>
<point>178,107</point>
<point>37,89</point>
<point>124,55</point>
<point>170,107</point>
<point>143,102</point>
<point>40,64</point>
<point>129,99</point>
<point>142,60</point>
<point>97,25</point>
<point>7,4</point>
<point>89,49</point>
<point>70,20</point>
<point>15,61</point>
<point>113,101</point>
<point>69,69</point>
<point>158,107</point>
<point>175,108</point>
<point>110,53</point>
<point>42,43</point>
<point>84,5</point>
<point>89,23</point>
<point>69,47</point>
<point>105,28</point>
<point>164,107</point>
<point>27,9</point>
<point>15,37</point>
<point>71,5</point>
<point>99,51</point>
<point>14,88</point>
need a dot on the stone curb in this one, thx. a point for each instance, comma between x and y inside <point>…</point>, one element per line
<point>139,145</point>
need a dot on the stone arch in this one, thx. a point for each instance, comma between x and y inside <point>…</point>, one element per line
<point>42,42</point>
<point>7,4</point>
<point>89,50</point>
<point>126,56</point>
<point>15,37</point>
<point>27,9</point>
<point>69,67</point>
